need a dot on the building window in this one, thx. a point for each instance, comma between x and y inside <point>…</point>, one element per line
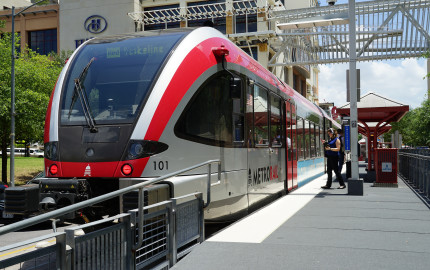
<point>195,8</point>
<point>295,84</point>
<point>158,26</point>
<point>246,23</point>
<point>43,41</point>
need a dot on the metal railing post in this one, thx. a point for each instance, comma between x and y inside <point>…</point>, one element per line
<point>219,170</point>
<point>140,218</point>
<point>128,243</point>
<point>201,218</point>
<point>70,241</point>
<point>208,194</point>
<point>172,249</point>
<point>427,176</point>
<point>422,180</point>
<point>61,255</point>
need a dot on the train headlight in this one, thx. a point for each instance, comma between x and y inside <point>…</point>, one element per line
<point>140,149</point>
<point>51,151</point>
<point>136,149</point>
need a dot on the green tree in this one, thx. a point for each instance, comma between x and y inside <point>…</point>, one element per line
<point>415,126</point>
<point>35,77</point>
<point>403,126</point>
<point>421,124</point>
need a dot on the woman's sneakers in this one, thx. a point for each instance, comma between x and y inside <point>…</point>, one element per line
<point>325,187</point>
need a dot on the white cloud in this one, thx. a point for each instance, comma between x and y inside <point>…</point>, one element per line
<point>400,80</point>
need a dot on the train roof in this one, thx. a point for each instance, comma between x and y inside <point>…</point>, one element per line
<point>151,33</point>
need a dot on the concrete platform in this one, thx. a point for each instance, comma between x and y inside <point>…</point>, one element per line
<point>312,228</point>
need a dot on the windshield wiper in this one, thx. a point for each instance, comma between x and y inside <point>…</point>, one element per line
<point>79,92</point>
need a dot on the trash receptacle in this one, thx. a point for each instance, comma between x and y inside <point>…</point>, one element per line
<point>386,165</point>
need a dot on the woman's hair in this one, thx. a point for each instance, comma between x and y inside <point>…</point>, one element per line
<point>330,130</point>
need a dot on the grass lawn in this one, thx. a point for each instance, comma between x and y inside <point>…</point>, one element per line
<point>25,169</point>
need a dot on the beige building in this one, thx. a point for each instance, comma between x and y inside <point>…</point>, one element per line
<point>38,27</point>
<point>72,22</point>
<point>81,20</point>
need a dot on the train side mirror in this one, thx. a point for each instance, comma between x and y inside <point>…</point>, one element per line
<point>236,88</point>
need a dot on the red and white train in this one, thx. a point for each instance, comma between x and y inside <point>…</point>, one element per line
<point>134,107</point>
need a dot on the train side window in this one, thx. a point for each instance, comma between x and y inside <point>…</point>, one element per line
<point>326,126</point>
<point>322,138</point>
<point>317,141</point>
<point>209,117</point>
<point>300,146</point>
<point>236,92</point>
<point>312,139</point>
<point>311,144</point>
<point>261,113</point>
<point>294,138</point>
<point>249,116</point>
<point>307,139</point>
<point>275,122</point>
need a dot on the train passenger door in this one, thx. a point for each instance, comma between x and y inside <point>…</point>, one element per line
<point>277,157</point>
<point>257,115</point>
<point>264,141</point>
<point>294,144</point>
<point>291,145</point>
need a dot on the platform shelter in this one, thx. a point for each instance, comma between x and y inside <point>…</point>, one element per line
<point>375,113</point>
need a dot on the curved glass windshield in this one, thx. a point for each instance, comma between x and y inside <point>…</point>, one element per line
<point>109,79</point>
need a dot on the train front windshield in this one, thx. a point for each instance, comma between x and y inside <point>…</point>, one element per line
<point>109,79</point>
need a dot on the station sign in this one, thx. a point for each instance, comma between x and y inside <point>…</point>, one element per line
<point>347,138</point>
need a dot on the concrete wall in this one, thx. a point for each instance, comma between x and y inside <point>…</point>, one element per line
<point>74,13</point>
<point>15,3</point>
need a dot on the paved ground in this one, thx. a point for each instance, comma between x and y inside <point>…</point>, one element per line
<point>387,228</point>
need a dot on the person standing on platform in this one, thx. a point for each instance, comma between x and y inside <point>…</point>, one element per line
<point>332,152</point>
<point>342,149</point>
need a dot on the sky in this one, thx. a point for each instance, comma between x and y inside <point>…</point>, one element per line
<point>399,80</point>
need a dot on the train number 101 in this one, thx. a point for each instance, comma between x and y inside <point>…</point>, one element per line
<point>161,165</point>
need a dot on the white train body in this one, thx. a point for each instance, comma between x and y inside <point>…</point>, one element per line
<point>135,107</point>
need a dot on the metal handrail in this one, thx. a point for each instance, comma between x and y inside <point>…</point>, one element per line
<point>62,211</point>
<point>414,155</point>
